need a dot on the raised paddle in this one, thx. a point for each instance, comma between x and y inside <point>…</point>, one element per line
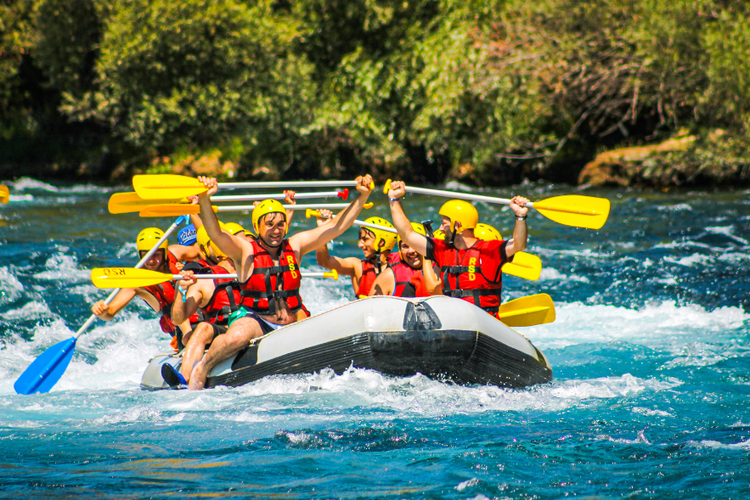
<point>122,203</point>
<point>128,277</point>
<point>170,186</point>
<point>177,209</point>
<point>524,265</point>
<point>528,311</point>
<point>571,210</point>
<point>4,194</point>
<point>47,369</point>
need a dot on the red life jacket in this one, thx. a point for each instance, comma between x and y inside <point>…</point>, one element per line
<point>369,273</point>
<point>270,283</point>
<point>473,274</point>
<point>402,273</point>
<point>164,295</point>
<point>225,300</point>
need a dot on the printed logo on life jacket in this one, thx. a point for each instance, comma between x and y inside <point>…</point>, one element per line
<point>292,266</point>
<point>472,268</point>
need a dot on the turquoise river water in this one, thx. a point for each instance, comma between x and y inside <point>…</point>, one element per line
<point>650,356</point>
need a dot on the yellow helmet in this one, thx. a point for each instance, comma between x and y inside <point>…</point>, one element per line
<point>234,228</point>
<point>487,233</point>
<point>460,211</point>
<point>388,239</point>
<point>266,207</point>
<point>205,243</point>
<point>419,228</point>
<point>148,238</point>
<point>438,234</point>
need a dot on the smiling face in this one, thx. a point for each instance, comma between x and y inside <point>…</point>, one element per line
<point>272,229</point>
<point>410,257</point>
<point>155,262</point>
<point>366,243</point>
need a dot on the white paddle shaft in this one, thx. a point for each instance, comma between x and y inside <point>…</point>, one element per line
<point>462,196</point>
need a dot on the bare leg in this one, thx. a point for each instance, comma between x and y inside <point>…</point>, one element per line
<point>237,338</point>
<point>196,346</point>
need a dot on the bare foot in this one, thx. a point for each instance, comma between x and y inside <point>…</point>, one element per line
<point>198,377</point>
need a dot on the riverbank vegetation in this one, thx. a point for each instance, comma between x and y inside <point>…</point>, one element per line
<point>487,92</point>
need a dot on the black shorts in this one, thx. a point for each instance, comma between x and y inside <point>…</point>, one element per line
<point>218,329</point>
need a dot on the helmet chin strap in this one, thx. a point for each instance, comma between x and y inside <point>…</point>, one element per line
<point>451,239</point>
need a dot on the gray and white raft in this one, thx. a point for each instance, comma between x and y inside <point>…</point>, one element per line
<point>441,337</point>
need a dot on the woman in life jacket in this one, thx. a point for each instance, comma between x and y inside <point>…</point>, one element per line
<point>405,264</point>
<point>268,270</point>
<point>215,300</point>
<point>158,297</point>
<point>470,268</point>
<point>376,244</point>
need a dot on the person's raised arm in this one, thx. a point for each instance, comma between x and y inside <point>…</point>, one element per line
<point>226,242</point>
<point>289,200</point>
<point>344,266</point>
<point>520,231</point>
<point>402,224</point>
<point>307,241</point>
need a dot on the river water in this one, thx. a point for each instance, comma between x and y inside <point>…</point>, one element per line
<point>650,356</point>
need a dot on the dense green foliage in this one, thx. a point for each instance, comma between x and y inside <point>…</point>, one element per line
<point>484,90</point>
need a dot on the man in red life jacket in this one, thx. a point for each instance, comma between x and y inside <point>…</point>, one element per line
<point>268,271</point>
<point>470,267</point>
<point>375,244</point>
<point>159,297</point>
<point>214,299</point>
<point>404,265</point>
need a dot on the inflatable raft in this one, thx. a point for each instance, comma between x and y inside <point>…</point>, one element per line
<point>441,337</point>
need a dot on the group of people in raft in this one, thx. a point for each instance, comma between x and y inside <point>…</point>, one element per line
<point>213,319</point>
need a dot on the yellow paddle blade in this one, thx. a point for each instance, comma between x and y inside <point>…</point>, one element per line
<point>123,203</point>
<point>4,194</point>
<point>524,265</point>
<point>166,186</point>
<point>126,277</point>
<point>528,311</point>
<point>575,210</point>
<point>173,210</point>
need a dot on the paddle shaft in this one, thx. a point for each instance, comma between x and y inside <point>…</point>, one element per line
<point>462,196</point>
<point>234,276</point>
<point>140,264</point>
<point>240,208</point>
<point>284,184</point>
<point>343,194</point>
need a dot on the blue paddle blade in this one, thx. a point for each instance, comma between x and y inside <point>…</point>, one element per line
<point>46,370</point>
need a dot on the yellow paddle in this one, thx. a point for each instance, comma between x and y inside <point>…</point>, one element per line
<point>524,265</point>
<point>528,311</point>
<point>570,210</point>
<point>170,186</point>
<point>170,210</point>
<point>4,194</point>
<point>129,277</point>
<point>122,203</point>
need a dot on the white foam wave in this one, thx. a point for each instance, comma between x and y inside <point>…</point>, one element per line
<point>689,261</point>
<point>64,268</point>
<point>653,324</point>
<point>680,207</point>
<point>727,231</point>
<point>11,288</point>
<point>25,183</point>
<point>716,445</point>
<point>552,274</point>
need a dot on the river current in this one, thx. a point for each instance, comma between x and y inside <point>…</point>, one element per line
<point>650,353</point>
